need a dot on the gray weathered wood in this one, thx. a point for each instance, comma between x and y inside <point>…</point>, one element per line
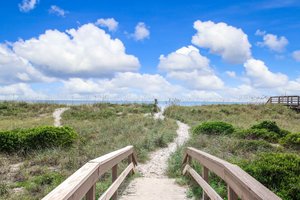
<point>211,193</point>
<point>91,194</point>
<point>231,194</point>
<point>244,185</point>
<point>114,176</point>
<point>115,185</point>
<point>78,184</point>
<point>205,177</point>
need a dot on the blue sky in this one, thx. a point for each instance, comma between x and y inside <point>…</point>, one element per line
<point>252,49</point>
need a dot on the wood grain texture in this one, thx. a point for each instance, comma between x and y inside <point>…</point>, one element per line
<point>241,183</point>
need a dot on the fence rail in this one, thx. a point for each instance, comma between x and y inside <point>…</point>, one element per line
<point>285,100</point>
<point>83,181</point>
<point>239,183</point>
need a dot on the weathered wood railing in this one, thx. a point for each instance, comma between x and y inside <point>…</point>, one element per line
<point>83,181</point>
<point>285,100</point>
<point>239,183</point>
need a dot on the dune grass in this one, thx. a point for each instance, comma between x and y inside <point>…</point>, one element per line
<point>25,115</point>
<point>229,147</point>
<point>240,116</point>
<point>102,128</point>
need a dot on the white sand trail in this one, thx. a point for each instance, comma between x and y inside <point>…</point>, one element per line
<point>57,115</point>
<point>155,184</point>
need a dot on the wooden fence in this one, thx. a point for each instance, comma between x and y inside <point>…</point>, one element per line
<point>83,181</point>
<point>239,183</point>
<point>293,101</point>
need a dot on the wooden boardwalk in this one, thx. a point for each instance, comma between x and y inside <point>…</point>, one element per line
<point>83,182</point>
<point>291,101</point>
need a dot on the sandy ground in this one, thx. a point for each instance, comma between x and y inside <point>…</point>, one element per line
<point>154,184</point>
<point>158,162</point>
<point>57,115</point>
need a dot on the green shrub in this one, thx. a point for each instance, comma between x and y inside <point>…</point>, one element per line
<point>271,126</point>
<point>255,134</point>
<point>214,128</point>
<point>266,130</point>
<point>36,138</point>
<point>291,140</point>
<point>280,172</point>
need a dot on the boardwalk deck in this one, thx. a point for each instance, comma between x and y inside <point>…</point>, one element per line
<point>291,101</point>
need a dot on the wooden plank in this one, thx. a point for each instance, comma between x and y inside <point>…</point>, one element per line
<point>205,186</point>
<point>114,177</point>
<point>115,185</point>
<point>245,186</point>
<point>91,194</point>
<point>79,183</point>
<point>205,177</point>
<point>231,194</point>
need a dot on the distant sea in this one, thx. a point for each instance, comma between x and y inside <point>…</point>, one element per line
<point>160,103</point>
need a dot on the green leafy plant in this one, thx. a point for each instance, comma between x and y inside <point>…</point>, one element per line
<point>271,126</point>
<point>266,130</point>
<point>279,172</point>
<point>255,134</point>
<point>291,140</point>
<point>214,128</point>
<point>36,138</point>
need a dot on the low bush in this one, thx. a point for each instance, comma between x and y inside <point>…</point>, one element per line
<point>271,126</point>
<point>291,140</point>
<point>255,134</point>
<point>280,172</point>
<point>36,138</point>
<point>266,130</point>
<point>214,128</point>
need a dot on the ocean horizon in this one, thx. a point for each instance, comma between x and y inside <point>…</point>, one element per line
<point>162,103</point>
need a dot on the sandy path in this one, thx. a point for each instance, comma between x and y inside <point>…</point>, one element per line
<point>57,115</point>
<point>158,162</point>
<point>155,184</point>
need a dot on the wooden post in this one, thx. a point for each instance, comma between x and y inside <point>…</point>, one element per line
<point>205,177</point>
<point>231,194</point>
<point>130,161</point>
<point>114,177</point>
<point>91,194</point>
<point>189,160</point>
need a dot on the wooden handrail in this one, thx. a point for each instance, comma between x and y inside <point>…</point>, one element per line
<point>239,183</point>
<point>83,181</point>
<point>285,100</point>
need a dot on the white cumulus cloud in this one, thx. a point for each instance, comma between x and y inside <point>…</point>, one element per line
<point>19,90</point>
<point>14,68</point>
<point>261,77</point>
<point>189,66</point>
<point>58,11</point>
<point>86,51</point>
<point>229,42</point>
<point>183,59</point>
<point>110,23</point>
<point>141,31</point>
<point>135,86</point>
<point>273,42</point>
<point>27,5</point>
<point>296,55</point>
